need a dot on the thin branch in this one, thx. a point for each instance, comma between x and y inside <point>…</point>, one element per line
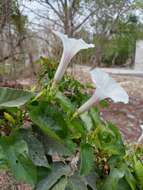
<point>78,26</point>
<point>55,11</point>
<point>44,17</point>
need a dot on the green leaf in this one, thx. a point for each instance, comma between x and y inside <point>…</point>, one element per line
<point>123,185</point>
<point>64,102</point>
<point>90,180</point>
<point>71,145</point>
<point>58,170</point>
<point>111,182</point>
<point>9,118</point>
<point>75,182</point>
<point>87,159</point>
<point>42,173</point>
<point>115,160</point>
<point>138,167</point>
<point>94,113</point>
<point>107,138</point>
<point>53,146</point>
<point>76,127</point>
<point>47,118</point>
<point>103,103</point>
<point>15,150</point>
<point>3,161</point>
<point>60,185</point>
<point>121,175</point>
<point>85,117</point>
<point>36,149</point>
<point>117,143</point>
<point>130,179</point>
<point>10,97</point>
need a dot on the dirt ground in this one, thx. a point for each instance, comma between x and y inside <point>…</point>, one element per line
<point>7,182</point>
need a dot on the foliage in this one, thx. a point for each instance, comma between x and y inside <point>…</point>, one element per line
<point>44,145</point>
<point>13,98</point>
<point>119,46</point>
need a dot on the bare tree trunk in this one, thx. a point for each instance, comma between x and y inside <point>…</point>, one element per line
<point>22,52</point>
<point>114,59</point>
<point>5,13</point>
<point>31,64</point>
<point>96,59</point>
<point>12,49</point>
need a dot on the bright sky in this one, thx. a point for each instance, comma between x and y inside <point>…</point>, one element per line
<point>30,7</point>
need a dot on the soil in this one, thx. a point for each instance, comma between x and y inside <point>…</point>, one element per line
<point>7,182</point>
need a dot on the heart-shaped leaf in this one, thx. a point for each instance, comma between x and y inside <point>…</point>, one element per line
<point>75,182</point>
<point>138,167</point>
<point>36,149</point>
<point>49,120</point>
<point>87,159</point>
<point>58,170</point>
<point>16,155</point>
<point>10,97</point>
<point>60,185</point>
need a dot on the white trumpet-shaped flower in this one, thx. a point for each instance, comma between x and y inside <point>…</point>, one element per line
<point>71,46</point>
<point>106,87</point>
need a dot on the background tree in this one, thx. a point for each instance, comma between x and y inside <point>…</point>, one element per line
<point>69,15</point>
<point>107,21</point>
<point>14,34</point>
<point>113,25</point>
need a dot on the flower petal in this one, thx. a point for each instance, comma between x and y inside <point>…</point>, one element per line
<point>106,87</point>
<point>71,47</point>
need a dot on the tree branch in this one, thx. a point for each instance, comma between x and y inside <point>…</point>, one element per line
<point>78,26</point>
<point>55,11</point>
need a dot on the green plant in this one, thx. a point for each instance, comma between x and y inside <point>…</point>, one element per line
<point>45,145</point>
<point>56,151</point>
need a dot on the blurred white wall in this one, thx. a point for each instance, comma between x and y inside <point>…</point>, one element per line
<point>139,56</point>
